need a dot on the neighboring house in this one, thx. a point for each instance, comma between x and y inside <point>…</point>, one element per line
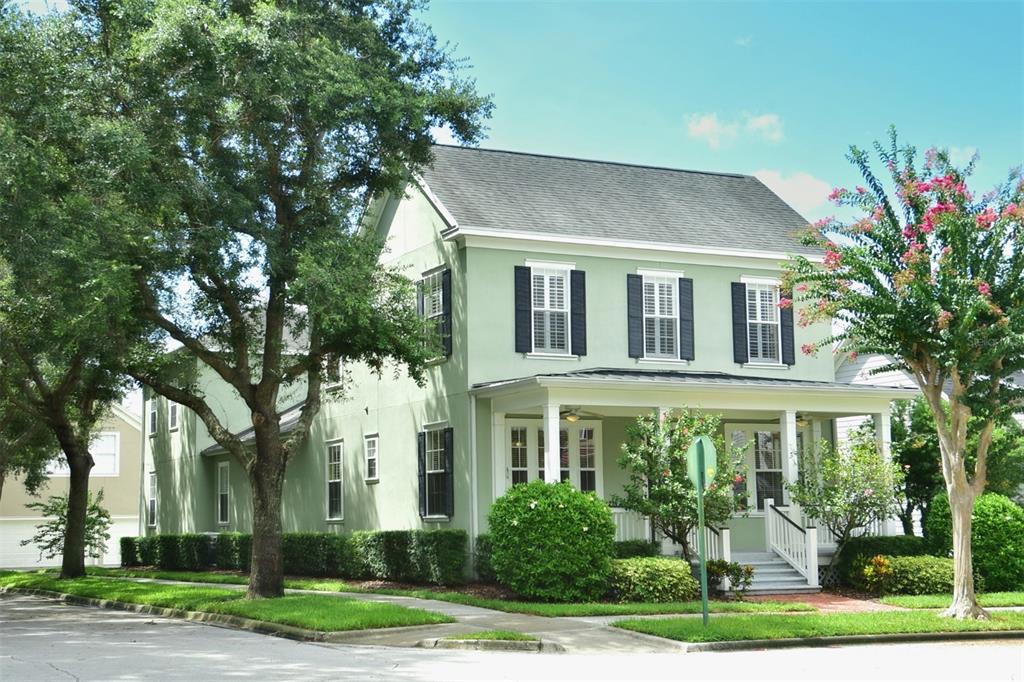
<point>116,450</point>
<point>572,296</point>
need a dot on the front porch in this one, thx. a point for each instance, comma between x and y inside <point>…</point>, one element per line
<point>572,426</point>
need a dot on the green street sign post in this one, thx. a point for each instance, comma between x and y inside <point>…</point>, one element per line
<point>701,460</point>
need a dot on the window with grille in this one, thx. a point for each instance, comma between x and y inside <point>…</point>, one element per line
<point>432,287</point>
<point>172,416</point>
<point>550,310</point>
<point>335,467</point>
<point>435,473</point>
<point>151,502</point>
<point>763,332</point>
<point>588,460</point>
<point>152,417</point>
<point>520,457</point>
<point>372,448</point>
<point>768,467</point>
<point>661,317</point>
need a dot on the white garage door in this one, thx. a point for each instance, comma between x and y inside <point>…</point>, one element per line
<point>13,555</point>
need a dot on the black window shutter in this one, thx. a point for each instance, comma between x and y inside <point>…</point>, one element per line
<point>788,343</point>
<point>685,318</point>
<point>635,315</point>
<point>421,465</point>
<point>524,326</point>
<point>578,311</point>
<point>740,348</point>
<point>449,472</point>
<point>446,310</point>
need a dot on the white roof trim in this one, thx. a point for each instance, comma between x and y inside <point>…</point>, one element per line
<point>127,416</point>
<point>460,230</point>
<point>445,214</point>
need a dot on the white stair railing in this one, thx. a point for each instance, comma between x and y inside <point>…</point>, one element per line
<point>629,525</point>
<point>798,546</point>
<point>718,542</point>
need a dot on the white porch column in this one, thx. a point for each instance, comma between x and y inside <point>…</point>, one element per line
<point>790,461</point>
<point>499,458</point>
<point>883,433</point>
<point>552,465</point>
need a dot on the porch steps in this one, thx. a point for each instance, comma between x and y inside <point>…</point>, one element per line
<point>772,575</point>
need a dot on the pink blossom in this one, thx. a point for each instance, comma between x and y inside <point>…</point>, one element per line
<point>785,302</point>
<point>833,259</point>
<point>984,289</point>
<point>738,479</point>
<point>808,349</point>
<point>861,190</point>
<point>836,193</point>
<point>853,355</point>
<point>923,187</point>
<point>1010,211</point>
<point>910,231</point>
<point>879,212</point>
<point>822,223</point>
<point>802,287</point>
<point>869,492</point>
<point>945,317</point>
<point>986,218</point>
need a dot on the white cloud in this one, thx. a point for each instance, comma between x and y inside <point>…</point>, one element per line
<point>961,156</point>
<point>707,127</point>
<point>443,135</point>
<point>768,126</point>
<point>744,41</point>
<point>804,192</point>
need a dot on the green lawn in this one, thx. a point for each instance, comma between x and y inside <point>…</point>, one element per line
<point>814,625</point>
<point>941,601</point>
<point>508,606</point>
<point>503,635</point>
<point>313,612</point>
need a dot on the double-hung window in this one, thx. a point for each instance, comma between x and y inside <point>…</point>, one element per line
<point>335,500</point>
<point>661,317</point>
<point>152,417</point>
<point>520,456</point>
<point>435,473</point>
<point>550,298</point>
<point>763,329</point>
<point>433,302</point>
<point>588,460</point>
<point>371,445</point>
<point>151,502</point>
<point>172,416</point>
<point>223,493</point>
<point>768,467</point>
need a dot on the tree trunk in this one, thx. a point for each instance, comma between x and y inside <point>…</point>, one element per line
<point>266,577</point>
<point>73,561</point>
<point>965,604</point>
<point>907,518</point>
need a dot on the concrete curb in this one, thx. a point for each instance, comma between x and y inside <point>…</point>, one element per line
<point>470,644</point>
<point>813,642</point>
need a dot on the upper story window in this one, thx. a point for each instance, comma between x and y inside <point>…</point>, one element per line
<point>372,448</point>
<point>152,417</point>
<point>550,310</point>
<point>172,416</point>
<point>434,301</point>
<point>661,317</point>
<point>763,328</point>
<point>105,450</point>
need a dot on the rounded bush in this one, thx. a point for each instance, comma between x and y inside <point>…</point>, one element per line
<point>858,551</point>
<point>997,538</point>
<point>909,575</point>
<point>551,542</point>
<point>652,579</point>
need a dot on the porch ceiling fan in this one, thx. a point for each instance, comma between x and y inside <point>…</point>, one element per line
<point>573,414</point>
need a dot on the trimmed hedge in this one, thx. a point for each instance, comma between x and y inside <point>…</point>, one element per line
<point>233,551</point>
<point>909,575</point>
<point>652,579</point>
<point>130,551</point>
<point>149,551</point>
<point>627,549</point>
<point>317,554</point>
<point>430,556</point>
<point>439,556</point>
<point>183,551</point>
<point>482,559</point>
<point>997,538</point>
<point>858,551</point>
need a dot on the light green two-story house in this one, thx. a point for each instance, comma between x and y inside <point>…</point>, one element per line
<point>572,296</point>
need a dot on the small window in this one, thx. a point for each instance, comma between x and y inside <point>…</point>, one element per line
<point>436,473</point>
<point>335,501</point>
<point>152,417</point>
<point>372,448</point>
<point>223,493</point>
<point>661,317</point>
<point>550,310</point>
<point>763,328</point>
<point>172,416</point>
<point>151,501</point>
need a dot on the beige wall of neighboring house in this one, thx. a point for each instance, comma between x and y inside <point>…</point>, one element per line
<point>117,450</point>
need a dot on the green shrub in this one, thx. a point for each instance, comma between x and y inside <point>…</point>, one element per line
<point>316,554</point>
<point>130,552</point>
<point>439,556</point>
<point>650,579</point>
<point>233,551</point>
<point>740,576</point>
<point>627,549</point>
<point>909,575</point>
<point>858,551</point>
<point>385,554</point>
<point>997,538</point>
<point>149,551</point>
<point>552,542</point>
<point>194,552</point>
<point>482,559</point>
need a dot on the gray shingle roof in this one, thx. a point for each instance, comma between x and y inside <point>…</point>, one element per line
<point>517,192</point>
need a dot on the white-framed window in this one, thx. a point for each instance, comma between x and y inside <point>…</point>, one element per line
<point>151,501</point>
<point>763,328</point>
<point>520,455</point>
<point>335,374</point>
<point>436,473</point>
<point>105,449</point>
<point>768,467</point>
<point>335,488</point>
<point>371,448</point>
<point>588,459</point>
<point>153,421</point>
<point>661,316</point>
<point>432,288</point>
<point>550,303</point>
<point>172,416</point>
<point>223,493</point>
<point>579,456</point>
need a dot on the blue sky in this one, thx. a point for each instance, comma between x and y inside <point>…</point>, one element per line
<point>775,89</point>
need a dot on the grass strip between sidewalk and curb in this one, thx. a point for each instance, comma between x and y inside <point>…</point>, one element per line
<point>551,610</point>
<point>308,612</point>
<point>941,601</point>
<point>502,635</point>
<point>808,628</point>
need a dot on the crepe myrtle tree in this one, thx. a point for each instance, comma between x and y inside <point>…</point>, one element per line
<point>657,485</point>
<point>270,128</point>
<point>932,276</point>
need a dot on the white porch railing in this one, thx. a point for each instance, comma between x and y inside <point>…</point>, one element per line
<point>716,540</point>
<point>796,544</point>
<point>629,525</point>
